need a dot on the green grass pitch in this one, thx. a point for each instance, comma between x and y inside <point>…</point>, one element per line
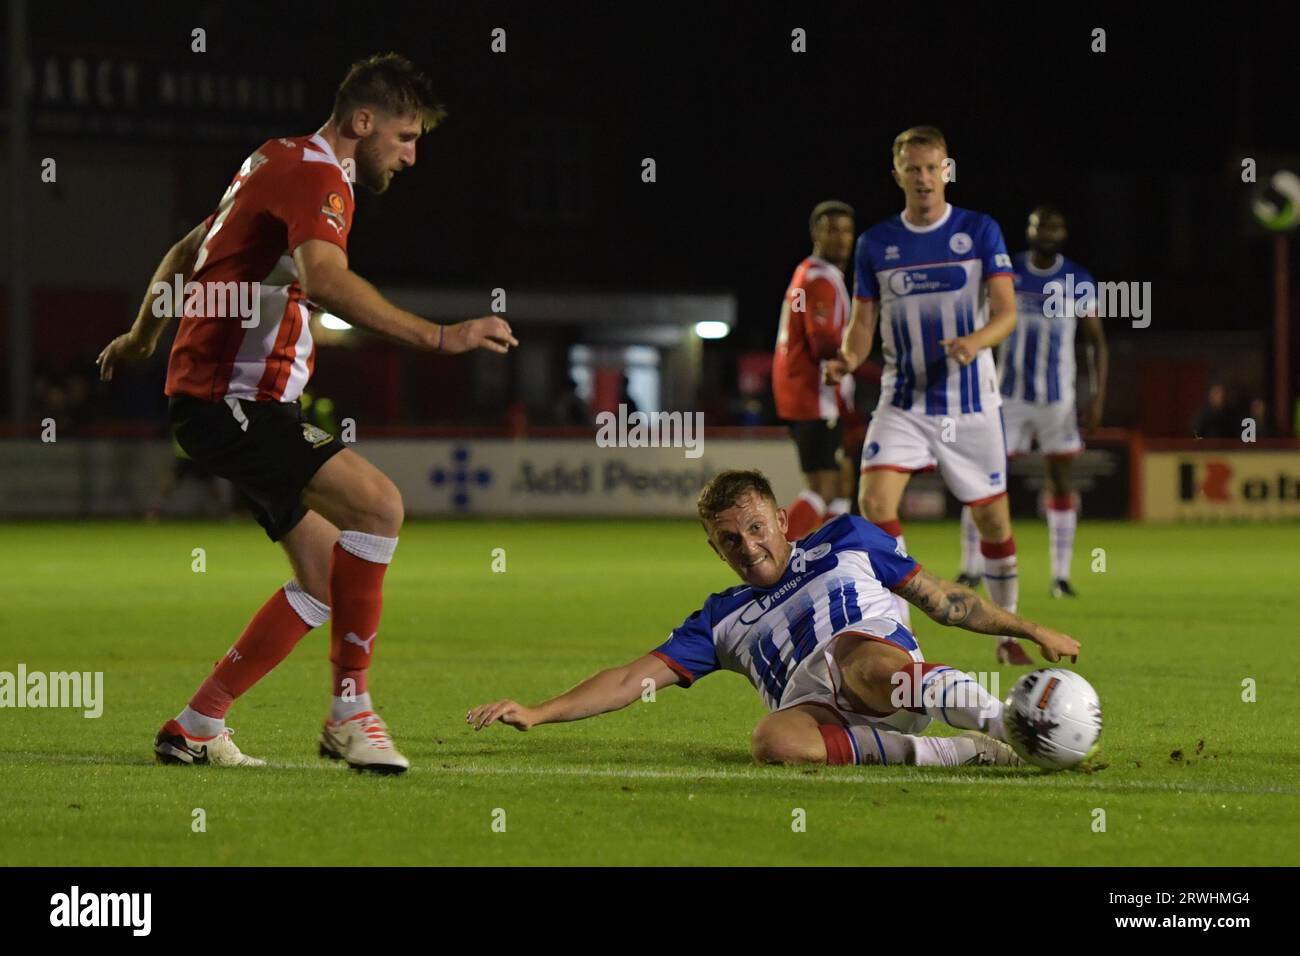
<point>1178,620</point>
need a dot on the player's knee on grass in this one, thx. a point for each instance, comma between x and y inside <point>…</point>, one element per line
<point>780,739</point>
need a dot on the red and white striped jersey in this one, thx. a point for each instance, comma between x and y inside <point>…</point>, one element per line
<point>289,191</point>
<point>814,316</point>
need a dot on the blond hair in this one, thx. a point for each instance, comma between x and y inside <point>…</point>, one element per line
<point>918,136</point>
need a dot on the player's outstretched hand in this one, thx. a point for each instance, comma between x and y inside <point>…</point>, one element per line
<point>125,348</point>
<point>490,332</point>
<point>962,349</point>
<point>508,712</point>
<point>1055,645</point>
<point>833,370</point>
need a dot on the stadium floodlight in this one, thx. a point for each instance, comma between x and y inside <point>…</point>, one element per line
<point>712,330</point>
<point>329,321</point>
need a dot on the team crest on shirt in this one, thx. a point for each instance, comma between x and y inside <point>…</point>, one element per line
<point>333,209</point>
<point>960,243</point>
<point>316,436</point>
<point>817,553</point>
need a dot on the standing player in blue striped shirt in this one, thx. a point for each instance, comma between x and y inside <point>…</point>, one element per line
<point>1053,295</point>
<point>938,282</point>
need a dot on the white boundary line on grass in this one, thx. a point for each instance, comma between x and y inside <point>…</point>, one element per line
<point>864,778</point>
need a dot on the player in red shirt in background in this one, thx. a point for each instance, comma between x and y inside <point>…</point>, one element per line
<point>813,319</point>
<point>275,247</point>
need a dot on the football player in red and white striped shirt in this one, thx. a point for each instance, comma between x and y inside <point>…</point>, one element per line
<point>275,247</point>
<point>814,315</point>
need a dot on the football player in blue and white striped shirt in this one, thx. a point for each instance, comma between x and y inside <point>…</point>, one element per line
<point>1053,295</point>
<point>814,629</point>
<point>938,281</point>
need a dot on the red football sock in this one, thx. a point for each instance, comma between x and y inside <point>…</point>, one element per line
<point>839,746</point>
<point>269,637</point>
<point>805,515</point>
<point>356,600</point>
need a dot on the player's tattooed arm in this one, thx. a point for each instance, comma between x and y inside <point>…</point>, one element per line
<point>956,606</point>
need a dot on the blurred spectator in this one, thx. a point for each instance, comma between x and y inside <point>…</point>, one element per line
<point>65,398</point>
<point>1216,419</point>
<point>626,397</point>
<point>1263,424</point>
<point>570,409</point>
<point>516,419</point>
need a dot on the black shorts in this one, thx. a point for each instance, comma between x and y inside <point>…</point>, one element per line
<point>189,468</point>
<point>818,444</point>
<point>267,450</point>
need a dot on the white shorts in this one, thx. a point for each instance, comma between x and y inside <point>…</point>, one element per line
<point>1054,426</point>
<point>817,679</point>
<point>970,450</point>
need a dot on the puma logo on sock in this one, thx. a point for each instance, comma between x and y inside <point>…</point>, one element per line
<point>351,638</point>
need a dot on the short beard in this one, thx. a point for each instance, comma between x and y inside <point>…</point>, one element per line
<point>370,172</point>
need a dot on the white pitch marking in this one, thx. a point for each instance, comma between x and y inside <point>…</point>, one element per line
<point>866,777</point>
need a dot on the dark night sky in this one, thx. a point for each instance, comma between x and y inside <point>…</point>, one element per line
<point>1140,144</point>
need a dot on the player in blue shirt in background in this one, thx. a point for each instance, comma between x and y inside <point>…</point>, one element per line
<point>1054,295</point>
<point>938,281</point>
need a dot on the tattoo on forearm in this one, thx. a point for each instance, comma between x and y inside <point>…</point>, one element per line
<point>956,606</point>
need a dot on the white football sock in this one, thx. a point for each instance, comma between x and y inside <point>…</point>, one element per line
<point>341,709</point>
<point>972,562</point>
<point>874,746</point>
<point>200,725</point>
<point>837,507</point>
<point>1060,533</point>
<point>956,698</point>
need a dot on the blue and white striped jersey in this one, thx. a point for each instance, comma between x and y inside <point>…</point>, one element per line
<point>930,283</point>
<point>840,574</point>
<point>1037,359</point>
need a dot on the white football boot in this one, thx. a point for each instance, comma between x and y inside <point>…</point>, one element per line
<point>362,741</point>
<point>989,752</point>
<point>173,745</point>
